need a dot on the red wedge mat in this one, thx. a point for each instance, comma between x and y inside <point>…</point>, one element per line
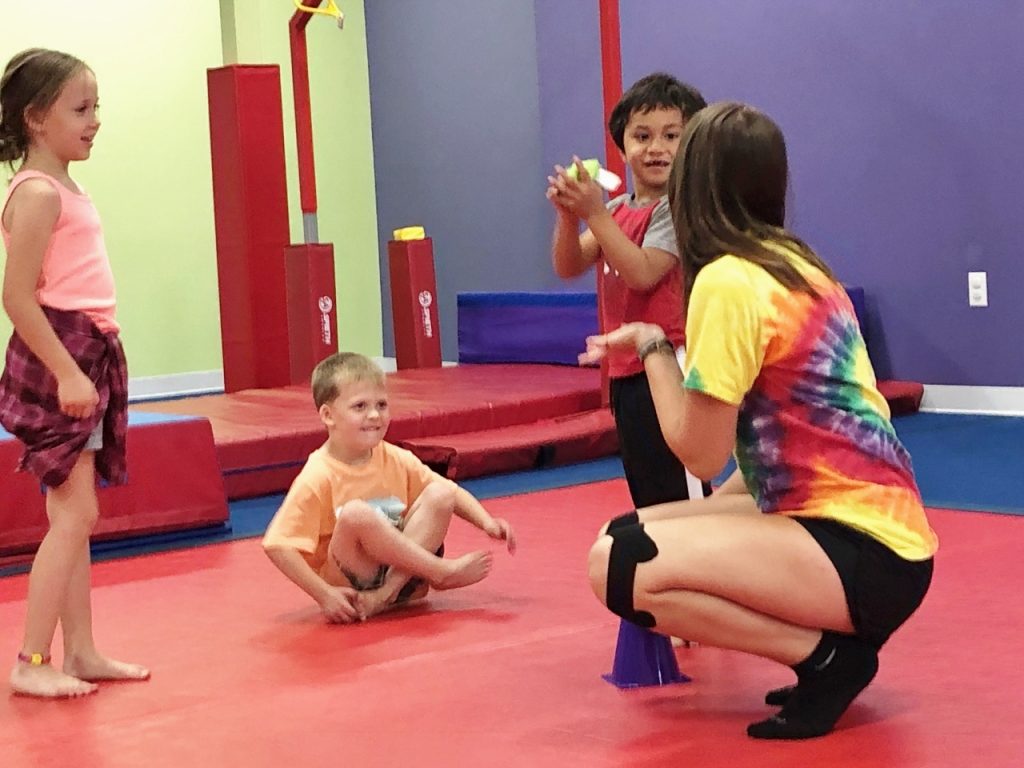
<point>173,484</point>
<point>551,442</point>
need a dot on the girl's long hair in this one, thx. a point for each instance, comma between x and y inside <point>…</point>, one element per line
<point>30,83</point>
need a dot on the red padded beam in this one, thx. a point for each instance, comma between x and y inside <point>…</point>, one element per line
<point>303,112</point>
<point>414,304</point>
<point>611,78</point>
<point>251,220</point>
<point>312,312</point>
<point>611,88</point>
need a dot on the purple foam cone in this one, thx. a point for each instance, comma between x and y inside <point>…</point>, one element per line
<point>643,658</point>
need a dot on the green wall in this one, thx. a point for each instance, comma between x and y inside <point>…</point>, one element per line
<point>150,170</point>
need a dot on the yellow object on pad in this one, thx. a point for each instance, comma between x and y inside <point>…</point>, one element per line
<point>410,233</point>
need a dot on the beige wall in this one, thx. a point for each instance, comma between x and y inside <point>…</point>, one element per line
<point>150,171</point>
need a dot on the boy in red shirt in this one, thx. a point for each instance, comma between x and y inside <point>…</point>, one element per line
<point>631,241</point>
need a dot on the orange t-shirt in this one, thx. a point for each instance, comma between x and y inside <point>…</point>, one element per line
<point>76,272</point>
<point>305,521</point>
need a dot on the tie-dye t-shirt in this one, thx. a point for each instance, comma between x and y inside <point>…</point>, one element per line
<point>813,436</point>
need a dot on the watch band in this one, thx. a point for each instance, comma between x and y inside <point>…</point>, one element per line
<point>655,345</point>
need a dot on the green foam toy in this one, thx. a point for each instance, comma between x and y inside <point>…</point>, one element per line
<point>602,176</point>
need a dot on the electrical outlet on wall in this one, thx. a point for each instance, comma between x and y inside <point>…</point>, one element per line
<point>977,289</point>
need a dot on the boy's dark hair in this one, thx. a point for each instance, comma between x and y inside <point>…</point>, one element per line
<point>31,82</point>
<point>340,369</point>
<point>727,194</point>
<point>651,92</point>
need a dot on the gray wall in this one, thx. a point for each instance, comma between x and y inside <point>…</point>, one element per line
<point>903,122</point>
<point>457,144</point>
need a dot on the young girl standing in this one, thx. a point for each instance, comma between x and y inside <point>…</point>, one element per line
<point>63,392</point>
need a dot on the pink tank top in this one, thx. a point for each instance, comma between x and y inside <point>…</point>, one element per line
<point>76,272</point>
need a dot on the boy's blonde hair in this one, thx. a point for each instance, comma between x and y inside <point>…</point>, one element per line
<point>340,369</point>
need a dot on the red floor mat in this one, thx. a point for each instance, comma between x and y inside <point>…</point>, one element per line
<point>506,673</point>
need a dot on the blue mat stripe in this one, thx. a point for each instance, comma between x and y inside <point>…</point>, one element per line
<point>249,517</point>
<point>972,463</point>
<point>135,418</point>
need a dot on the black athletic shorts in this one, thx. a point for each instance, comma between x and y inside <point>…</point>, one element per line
<point>882,588</point>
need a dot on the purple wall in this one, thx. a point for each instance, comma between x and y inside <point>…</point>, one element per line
<point>904,134</point>
<point>903,129</point>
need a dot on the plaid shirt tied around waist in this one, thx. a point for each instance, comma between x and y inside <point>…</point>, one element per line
<point>30,408</point>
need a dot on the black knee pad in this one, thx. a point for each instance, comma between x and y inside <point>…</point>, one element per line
<point>630,518</point>
<point>630,546</point>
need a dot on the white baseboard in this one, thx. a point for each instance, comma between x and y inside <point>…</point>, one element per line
<point>175,385</point>
<point>938,398</point>
<point>389,365</point>
<point>997,401</point>
<point>203,383</point>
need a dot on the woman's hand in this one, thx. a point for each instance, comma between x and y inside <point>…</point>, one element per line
<point>628,336</point>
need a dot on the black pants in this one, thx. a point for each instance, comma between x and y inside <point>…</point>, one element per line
<point>653,472</point>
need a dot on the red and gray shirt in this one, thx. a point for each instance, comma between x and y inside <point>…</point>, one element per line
<point>649,226</point>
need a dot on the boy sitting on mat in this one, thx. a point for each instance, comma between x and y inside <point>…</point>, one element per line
<point>363,525</point>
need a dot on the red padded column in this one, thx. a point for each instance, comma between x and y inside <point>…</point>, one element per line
<point>250,204</point>
<point>312,314</point>
<point>414,303</point>
<point>611,90</point>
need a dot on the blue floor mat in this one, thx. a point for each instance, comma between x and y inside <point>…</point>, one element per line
<point>249,517</point>
<point>973,463</point>
<point>967,462</point>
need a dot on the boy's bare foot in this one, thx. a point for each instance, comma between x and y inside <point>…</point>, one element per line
<point>465,570</point>
<point>375,601</point>
<point>95,668</point>
<point>45,682</point>
<point>371,603</point>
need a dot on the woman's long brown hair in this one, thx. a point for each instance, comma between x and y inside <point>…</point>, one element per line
<point>727,193</point>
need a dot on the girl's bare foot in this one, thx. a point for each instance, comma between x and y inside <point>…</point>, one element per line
<point>465,570</point>
<point>94,667</point>
<point>45,682</point>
